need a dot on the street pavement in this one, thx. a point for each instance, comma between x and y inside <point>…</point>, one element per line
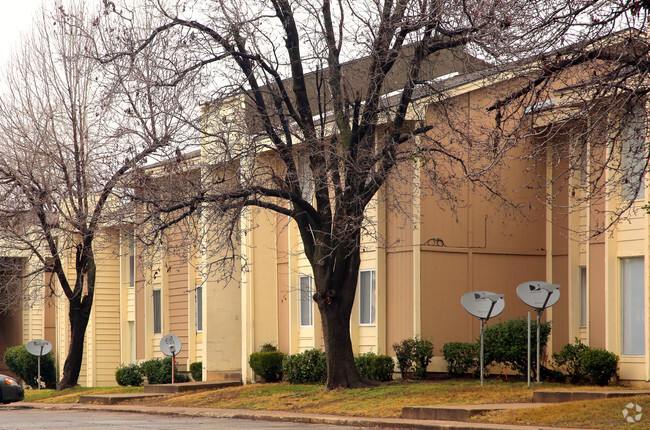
<point>25,418</point>
<point>260,419</point>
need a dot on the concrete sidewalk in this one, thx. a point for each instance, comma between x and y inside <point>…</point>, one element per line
<point>395,423</point>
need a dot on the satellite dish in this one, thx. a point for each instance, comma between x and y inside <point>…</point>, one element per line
<point>38,347</point>
<point>483,304</point>
<point>538,294</point>
<point>170,344</point>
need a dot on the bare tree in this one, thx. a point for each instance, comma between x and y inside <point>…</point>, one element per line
<point>68,142</point>
<point>312,111</point>
<point>586,100</point>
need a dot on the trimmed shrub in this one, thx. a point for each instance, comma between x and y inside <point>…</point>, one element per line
<point>25,366</point>
<point>159,371</point>
<point>404,354</point>
<point>422,355</point>
<point>267,364</point>
<point>196,370</point>
<point>570,361</point>
<point>305,368</point>
<point>600,365</point>
<point>461,357</point>
<point>506,343</point>
<point>375,367</point>
<point>129,375</point>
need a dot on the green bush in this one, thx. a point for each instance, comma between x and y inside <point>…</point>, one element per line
<point>506,343</point>
<point>305,368</point>
<point>461,357</point>
<point>25,366</point>
<point>413,354</point>
<point>196,370</point>
<point>570,361</point>
<point>267,364</point>
<point>584,364</point>
<point>129,375</point>
<point>600,365</point>
<point>159,371</point>
<point>422,355</point>
<point>375,367</point>
<point>404,354</point>
<point>268,347</point>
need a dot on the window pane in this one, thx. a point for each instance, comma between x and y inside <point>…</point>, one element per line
<point>373,296</point>
<point>583,297</point>
<point>367,297</point>
<point>157,305</point>
<point>131,260</point>
<point>632,309</point>
<point>199,308</point>
<point>305,301</point>
<point>633,153</point>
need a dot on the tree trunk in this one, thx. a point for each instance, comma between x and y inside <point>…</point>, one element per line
<point>79,315</point>
<point>341,371</point>
<point>81,303</point>
<point>335,292</point>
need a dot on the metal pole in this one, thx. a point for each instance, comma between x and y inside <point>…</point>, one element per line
<point>38,382</point>
<point>173,365</point>
<point>539,313</point>
<point>481,320</point>
<point>39,369</point>
<point>528,327</point>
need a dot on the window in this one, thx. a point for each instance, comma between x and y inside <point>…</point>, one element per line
<point>633,153</point>
<point>367,297</point>
<point>199,308</point>
<point>131,260</point>
<point>157,312</point>
<point>306,308</point>
<point>583,296</point>
<point>632,306</point>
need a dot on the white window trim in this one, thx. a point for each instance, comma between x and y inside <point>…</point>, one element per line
<point>374,296</point>
<point>311,307</point>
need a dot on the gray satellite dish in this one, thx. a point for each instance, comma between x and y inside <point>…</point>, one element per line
<point>539,294</point>
<point>170,345</point>
<point>38,348</point>
<point>483,305</point>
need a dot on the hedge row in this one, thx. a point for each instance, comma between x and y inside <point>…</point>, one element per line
<point>310,367</point>
<point>155,371</point>
<point>506,344</point>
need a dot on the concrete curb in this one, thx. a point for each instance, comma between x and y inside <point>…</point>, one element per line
<point>294,417</point>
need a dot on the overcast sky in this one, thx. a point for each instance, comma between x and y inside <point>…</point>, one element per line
<point>18,15</point>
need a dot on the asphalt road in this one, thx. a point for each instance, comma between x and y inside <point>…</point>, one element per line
<point>16,417</point>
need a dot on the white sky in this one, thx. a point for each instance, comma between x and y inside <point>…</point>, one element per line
<point>18,15</point>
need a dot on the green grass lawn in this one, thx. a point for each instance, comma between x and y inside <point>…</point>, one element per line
<point>71,395</point>
<point>388,399</point>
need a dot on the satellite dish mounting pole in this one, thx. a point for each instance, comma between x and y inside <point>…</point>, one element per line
<point>172,349</point>
<point>482,321</point>
<point>539,315</point>
<point>539,325</point>
<point>39,368</point>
